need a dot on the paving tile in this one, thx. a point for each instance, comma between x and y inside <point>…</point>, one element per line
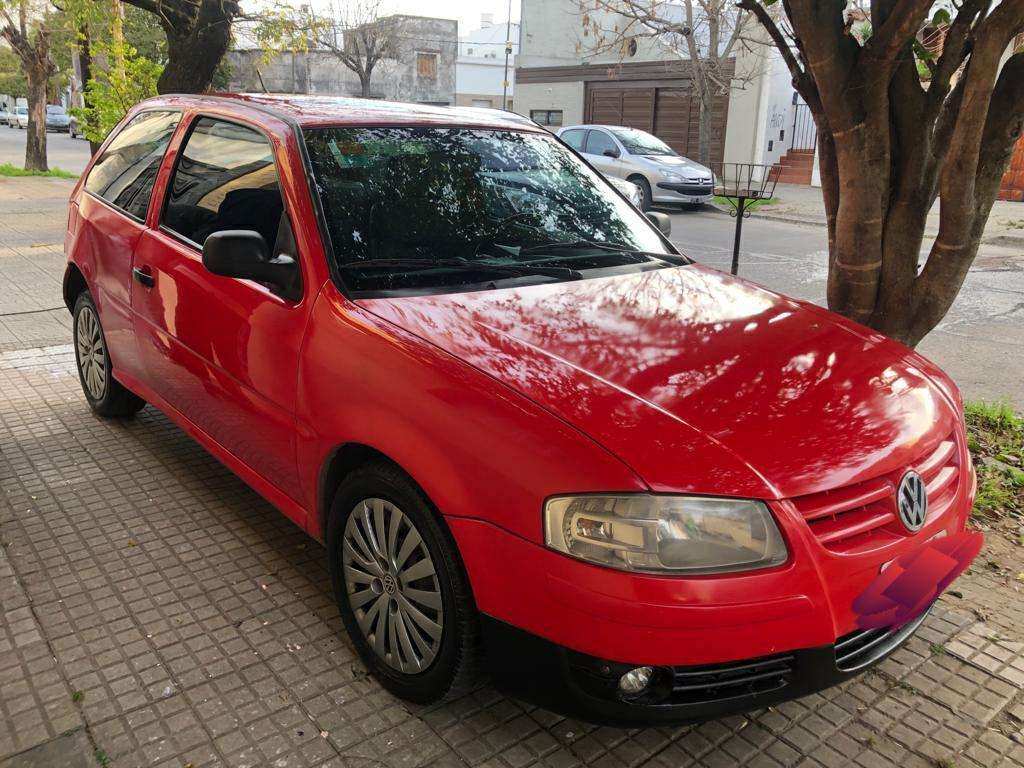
<point>985,647</point>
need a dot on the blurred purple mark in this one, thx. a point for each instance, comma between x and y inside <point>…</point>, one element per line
<point>914,580</point>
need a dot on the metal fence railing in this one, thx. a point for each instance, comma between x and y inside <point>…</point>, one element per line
<point>804,132</point>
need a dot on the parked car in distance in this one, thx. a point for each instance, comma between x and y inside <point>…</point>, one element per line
<point>7,116</point>
<point>57,118</point>
<point>522,424</point>
<point>663,175</point>
<point>21,117</point>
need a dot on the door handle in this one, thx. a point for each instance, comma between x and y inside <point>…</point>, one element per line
<point>143,276</point>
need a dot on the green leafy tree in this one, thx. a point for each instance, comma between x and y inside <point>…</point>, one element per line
<point>121,54</point>
<point>111,92</point>
<point>26,26</point>
<point>12,76</point>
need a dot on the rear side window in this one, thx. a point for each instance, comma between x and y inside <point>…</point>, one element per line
<point>124,174</point>
<point>225,179</point>
<point>574,138</point>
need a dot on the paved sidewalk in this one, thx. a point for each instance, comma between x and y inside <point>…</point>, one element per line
<point>799,204</point>
<point>154,611</point>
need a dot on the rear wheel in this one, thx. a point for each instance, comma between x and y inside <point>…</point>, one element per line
<point>400,586</point>
<point>105,395</point>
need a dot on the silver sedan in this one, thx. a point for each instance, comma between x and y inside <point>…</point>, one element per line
<point>661,173</point>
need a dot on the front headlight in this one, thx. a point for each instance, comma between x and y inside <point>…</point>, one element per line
<point>683,535</point>
<point>672,176</point>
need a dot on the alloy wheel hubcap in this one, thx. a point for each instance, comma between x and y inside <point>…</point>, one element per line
<point>392,586</point>
<point>92,354</point>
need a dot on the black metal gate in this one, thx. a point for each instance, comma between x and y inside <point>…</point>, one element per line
<point>805,131</point>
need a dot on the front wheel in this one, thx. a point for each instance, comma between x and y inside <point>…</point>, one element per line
<point>400,586</point>
<point>105,395</point>
<point>646,198</point>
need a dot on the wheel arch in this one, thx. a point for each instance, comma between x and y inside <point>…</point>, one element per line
<point>348,457</point>
<point>74,284</point>
<point>636,176</point>
<point>340,463</point>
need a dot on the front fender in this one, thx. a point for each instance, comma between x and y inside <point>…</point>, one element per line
<point>477,448</point>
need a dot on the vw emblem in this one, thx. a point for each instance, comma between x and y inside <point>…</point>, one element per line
<point>912,501</point>
<point>389,584</point>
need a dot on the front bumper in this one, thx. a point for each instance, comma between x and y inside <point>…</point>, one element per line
<point>582,686</point>
<point>682,192</point>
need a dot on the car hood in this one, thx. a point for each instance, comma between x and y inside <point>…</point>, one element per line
<point>699,381</point>
<point>677,163</point>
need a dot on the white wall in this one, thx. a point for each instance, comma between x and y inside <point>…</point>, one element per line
<point>549,33</point>
<point>745,130</point>
<point>488,41</point>
<point>567,97</point>
<point>482,76</point>
<point>778,112</point>
<point>553,34</point>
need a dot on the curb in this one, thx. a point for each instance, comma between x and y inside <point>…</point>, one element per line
<point>1004,241</point>
<point>774,217</point>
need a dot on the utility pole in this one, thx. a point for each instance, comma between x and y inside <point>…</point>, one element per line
<point>508,51</point>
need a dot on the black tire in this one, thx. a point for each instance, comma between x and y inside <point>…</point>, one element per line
<point>110,399</point>
<point>646,197</point>
<point>454,668</point>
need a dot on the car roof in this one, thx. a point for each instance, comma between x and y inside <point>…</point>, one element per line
<point>309,111</point>
<point>597,125</point>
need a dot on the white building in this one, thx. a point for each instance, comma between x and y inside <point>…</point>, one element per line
<point>561,80</point>
<point>481,70</point>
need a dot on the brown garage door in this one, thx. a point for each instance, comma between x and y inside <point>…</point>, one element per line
<point>670,113</point>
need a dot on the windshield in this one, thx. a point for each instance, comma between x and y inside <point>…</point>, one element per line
<point>640,143</point>
<point>447,209</point>
<point>22,111</point>
<point>55,110</point>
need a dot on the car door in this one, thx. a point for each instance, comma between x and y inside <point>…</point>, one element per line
<point>109,219</point>
<point>222,351</point>
<point>598,144</point>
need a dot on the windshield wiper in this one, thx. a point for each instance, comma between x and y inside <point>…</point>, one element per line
<point>574,245</point>
<point>468,265</point>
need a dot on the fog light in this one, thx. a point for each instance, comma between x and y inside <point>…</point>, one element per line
<point>635,681</point>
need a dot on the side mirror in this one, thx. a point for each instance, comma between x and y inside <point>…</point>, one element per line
<point>611,153</point>
<point>661,221</point>
<point>243,253</point>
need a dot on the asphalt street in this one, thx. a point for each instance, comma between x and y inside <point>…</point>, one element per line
<point>61,150</point>
<point>980,342</point>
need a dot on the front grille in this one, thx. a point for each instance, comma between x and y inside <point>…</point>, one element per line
<point>862,517</point>
<point>693,189</point>
<point>719,682</point>
<point>865,646</point>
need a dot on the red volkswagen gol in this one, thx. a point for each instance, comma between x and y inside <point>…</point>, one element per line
<point>519,420</point>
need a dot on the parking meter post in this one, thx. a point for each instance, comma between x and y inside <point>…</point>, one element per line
<point>740,204</point>
<point>742,185</point>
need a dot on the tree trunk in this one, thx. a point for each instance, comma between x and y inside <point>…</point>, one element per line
<point>192,57</point>
<point>364,84</point>
<point>85,71</point>
<point>35,143</point>
<point>704,125</point>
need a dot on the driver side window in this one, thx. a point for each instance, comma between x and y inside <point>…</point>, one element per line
<point>225,179</point>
